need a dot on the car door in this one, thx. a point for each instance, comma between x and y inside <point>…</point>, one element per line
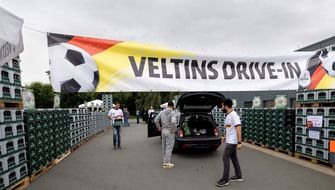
<point>152,129</point>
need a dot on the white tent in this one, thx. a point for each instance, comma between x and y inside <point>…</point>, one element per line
<point>166,103</point>
<point>11,42</point>
<point>96,103</point>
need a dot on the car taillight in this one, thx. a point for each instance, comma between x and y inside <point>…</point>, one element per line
<point>216,132</point>
<point>181,133</point>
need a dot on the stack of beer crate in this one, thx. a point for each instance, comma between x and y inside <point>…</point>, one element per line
<point>61,124</point>
<point>79,126</point>
<point>254,125</point>
<point>311,103</point>
<point>279,129</point>
<point>84,125</point>
<point>47,137</point>
<point>99,121</point>
<point>270,128</point>
<point>219,118</point>
<point>13,160</point>
<point>108,101</point>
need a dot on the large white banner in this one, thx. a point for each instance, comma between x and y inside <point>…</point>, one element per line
<point>11,43</point>
<point>83,64</point>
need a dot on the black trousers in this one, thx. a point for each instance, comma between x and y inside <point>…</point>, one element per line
<point>230,153</point>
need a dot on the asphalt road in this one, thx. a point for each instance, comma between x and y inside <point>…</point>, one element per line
<point>95,165</point>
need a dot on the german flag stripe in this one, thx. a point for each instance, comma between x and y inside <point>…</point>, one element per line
<point>316,77</point>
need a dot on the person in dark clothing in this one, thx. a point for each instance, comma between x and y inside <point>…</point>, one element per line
<point>138,116</point>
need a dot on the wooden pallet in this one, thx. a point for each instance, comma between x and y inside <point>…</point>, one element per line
<point>11,105</point>
<point>41,171</point>
<point>258,144</point>
<point>285,152</point>
<point>37,174</point>
<point>315,160</point>
<point>247,141</point>
<point>61,157</point>
<point>20,185</point>
<point>254,143</point>
<point>77,146</point>
<point>315,104</point>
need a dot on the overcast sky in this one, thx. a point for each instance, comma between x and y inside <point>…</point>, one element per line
<point>246,27</point>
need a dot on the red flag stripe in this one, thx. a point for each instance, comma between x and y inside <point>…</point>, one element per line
<point>92,45</point>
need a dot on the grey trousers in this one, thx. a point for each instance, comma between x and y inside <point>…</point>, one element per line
<point>230,153</point>
<point>167,144</point>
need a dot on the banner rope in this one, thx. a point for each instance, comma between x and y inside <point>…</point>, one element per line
<point>34,30</point>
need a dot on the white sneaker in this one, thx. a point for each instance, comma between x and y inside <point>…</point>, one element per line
<point>168,165</point>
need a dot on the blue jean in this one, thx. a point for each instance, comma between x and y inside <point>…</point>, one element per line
<point>117,135</point>
<point>126,121</point>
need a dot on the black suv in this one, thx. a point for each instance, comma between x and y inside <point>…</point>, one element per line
<point>196,127</point>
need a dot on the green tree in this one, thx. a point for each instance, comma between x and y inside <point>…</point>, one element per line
<point>127,100</point>
<point>44,95</point>
<point>74,99</point>
<point>146,99</point>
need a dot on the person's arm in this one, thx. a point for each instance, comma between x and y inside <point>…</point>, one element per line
<point>239,136</point>
<point>157,121</point>
<point>223,139</point>
<point>174,123</point>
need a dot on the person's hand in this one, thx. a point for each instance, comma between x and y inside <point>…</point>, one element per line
<point>223,139</point>
<point>239,146</point>
<point>172,131</point>
<point>159,128</point>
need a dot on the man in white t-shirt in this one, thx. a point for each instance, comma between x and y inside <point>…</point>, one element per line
<point>149,112</point>
<point>116,112</point>
<point>233,137</point>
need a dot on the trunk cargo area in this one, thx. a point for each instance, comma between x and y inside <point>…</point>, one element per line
<point>197,126</point>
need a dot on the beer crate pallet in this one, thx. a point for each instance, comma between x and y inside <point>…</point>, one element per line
<point>20,185</point>
<point>258,144</point>
<point>77,146</point>
<point>315,160</point>
<point>61,157</point>
<point>315,104</point>
<point>254,143</point>
<point>247,141</point>
<point>41,171</point>
<point>11,105</point>
<point>269,147</point>
<point>291,154</point>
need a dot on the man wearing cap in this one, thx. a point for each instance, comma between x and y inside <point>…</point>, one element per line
<point>167,119</point>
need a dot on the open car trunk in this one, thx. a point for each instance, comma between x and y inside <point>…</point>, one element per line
<point>197,126</point>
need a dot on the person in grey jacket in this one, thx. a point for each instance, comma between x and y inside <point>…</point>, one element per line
<point>167,118</point>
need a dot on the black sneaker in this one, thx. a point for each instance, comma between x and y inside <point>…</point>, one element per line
<point>235,178</point>
<point>115,147</point>
<point>119,147</point>
<point>222,183</point>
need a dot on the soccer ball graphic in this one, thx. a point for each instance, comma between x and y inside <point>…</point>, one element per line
<point>72,69</point>
<point>329,66</point>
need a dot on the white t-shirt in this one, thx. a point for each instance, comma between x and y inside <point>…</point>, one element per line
<point>115,113</point>
<point>149,111</point>
<point>232,119</point>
